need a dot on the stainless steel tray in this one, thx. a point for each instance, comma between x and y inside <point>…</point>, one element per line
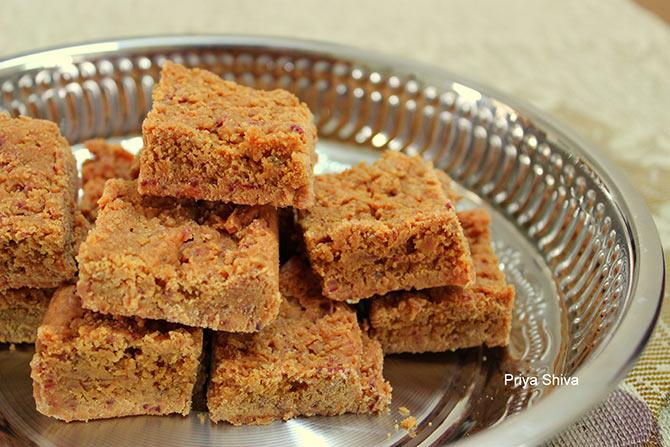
<point>573,236</point>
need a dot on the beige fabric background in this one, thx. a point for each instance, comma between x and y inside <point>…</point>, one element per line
<point>602,67</point>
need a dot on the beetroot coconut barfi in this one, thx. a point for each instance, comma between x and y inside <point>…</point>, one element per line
<point>449,318</point>
<point>206,138</point>
<point>383,227</point>
<point>91,366</point>
<point>109,161</point>
<point>312,360</point>
<point>38,187</point>
<point>203,264</point>
<point>22,310</point>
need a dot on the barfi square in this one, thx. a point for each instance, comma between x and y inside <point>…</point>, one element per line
<point>38,188</point>
<point>382,227</point>
<point>22,310</point>
<point>449,318</point>
<point>206,138</point>
<point>312,360</point>
<point>202,264</point>
<point>91,366</point>
<point>109,161</point>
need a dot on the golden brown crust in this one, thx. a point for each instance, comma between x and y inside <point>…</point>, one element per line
<point>313,359</point>
<point>382,227</point>
<point>203,264</point>
<point>38,186</point>
<point>91,366</point>
<point>450,318</point>
<point>201,125</point>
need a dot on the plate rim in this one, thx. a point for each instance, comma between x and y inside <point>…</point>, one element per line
<point>599,375</point>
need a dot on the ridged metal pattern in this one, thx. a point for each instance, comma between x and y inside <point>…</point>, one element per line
<point>553,202</point>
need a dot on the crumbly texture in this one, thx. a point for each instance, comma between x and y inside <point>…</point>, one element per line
<point>383,227</point>
<point>409,424</point>
<point>449,318</point>
<point>109,161</point>
<point>312,360</point>
<point>201,126</point>
<point>38,187</point>
<point>90,366</point>
<point>202,264</point>
<point>81,228</point>
<point>21,312</point>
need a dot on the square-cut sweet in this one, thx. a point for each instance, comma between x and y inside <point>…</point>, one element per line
<point>449,318</point>
<point>203,264</point>
<point>206,138</point>
<point>38,187</point>
<point>312,360</point>
<point>383,227</point>
<point>109,161</point>
<point>21,312</point>
<point>91,366</point>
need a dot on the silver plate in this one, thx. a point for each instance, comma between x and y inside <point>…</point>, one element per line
<point>573,236</point>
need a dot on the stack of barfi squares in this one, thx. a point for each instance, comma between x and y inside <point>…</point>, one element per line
<point>390,232</point>
<point>40,226</point>
<point>181,268</point>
